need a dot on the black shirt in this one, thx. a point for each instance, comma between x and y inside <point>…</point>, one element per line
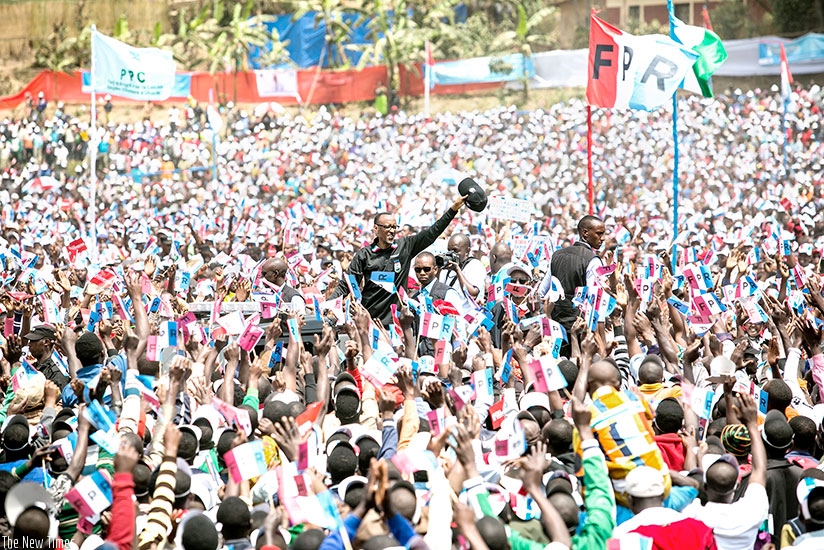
<point>396,259</point>
<point>52,372</point>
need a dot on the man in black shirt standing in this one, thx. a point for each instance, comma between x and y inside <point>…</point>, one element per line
<point>576,266</point>
<point>41,345</point>
<point>390,257</point>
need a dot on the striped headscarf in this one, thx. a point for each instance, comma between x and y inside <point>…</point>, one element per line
<point>736,439</point>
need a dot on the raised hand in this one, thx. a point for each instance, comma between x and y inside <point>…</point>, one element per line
<point>533,467</point>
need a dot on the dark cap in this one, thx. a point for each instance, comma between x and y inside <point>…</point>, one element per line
<point>17,440</point>
<point>40,332</point>
<point>340,384</point>
<point>777,432</point>
<point>476,199</point>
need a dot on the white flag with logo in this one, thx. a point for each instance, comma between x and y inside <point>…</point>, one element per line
<point>135,73</point>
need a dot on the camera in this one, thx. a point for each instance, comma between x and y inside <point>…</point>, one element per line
<point>443,259</point>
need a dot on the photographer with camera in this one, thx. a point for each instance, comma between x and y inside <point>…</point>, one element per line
<point>461,270</point>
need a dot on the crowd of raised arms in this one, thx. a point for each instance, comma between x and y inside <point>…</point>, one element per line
<point>361,332</point>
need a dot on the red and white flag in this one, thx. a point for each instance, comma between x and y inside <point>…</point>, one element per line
<point>786,76</point>
<point>633,72</point>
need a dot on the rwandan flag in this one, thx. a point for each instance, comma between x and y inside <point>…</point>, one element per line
<point>711,55</point>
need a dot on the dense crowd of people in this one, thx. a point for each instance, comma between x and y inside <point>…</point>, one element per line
<point>333,332</point>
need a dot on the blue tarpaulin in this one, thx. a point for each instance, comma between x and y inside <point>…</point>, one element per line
<point>306,40</point>
<point>307,37</point>
<point>474,70</point>
<point>809,47</point>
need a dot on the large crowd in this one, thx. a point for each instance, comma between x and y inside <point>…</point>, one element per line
<point>334,331</point>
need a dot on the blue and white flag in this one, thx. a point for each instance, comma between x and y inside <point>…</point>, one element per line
<point>134,73</point>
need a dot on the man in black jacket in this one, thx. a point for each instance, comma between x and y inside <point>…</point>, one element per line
<point>387,256</point>
<point>575,266</point>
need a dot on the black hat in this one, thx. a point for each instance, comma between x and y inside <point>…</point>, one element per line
<point>40,332</point>
<point>16,439</point>
<point>777,432</point>
<point>344,381</point>
<point>477,196</point>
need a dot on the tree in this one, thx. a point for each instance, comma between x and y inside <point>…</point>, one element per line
<point>191,42</point>
<point>331,13</point>
<point>529,31</point>
<point>796,16</point>
<point>731,20</point>
<point>235,40</point>
<point>394,38</point>
<point>218,38</point>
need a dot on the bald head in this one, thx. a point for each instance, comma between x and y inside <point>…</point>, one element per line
<point>499,255</point>
<point>566,506</point>
<point>532,431</point>
<point>722,478</point>
<point>274,270</point>
<point>603,373</point>
<point>460,245</point>
<point>650,372</point>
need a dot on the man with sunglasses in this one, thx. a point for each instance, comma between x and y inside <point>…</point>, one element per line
<point>426,271</point>
<point>389,260</point>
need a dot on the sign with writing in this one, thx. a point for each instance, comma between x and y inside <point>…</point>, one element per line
<point>507,208</point>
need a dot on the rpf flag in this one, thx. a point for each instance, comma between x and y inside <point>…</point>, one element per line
<point>135,73</point>
<point>786,76</point>
<point>633,72</point>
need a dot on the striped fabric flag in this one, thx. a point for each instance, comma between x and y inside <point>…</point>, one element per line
<point>711,55</point>
<point>786,76</point>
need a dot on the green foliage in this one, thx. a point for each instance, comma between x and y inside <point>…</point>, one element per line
<point>532,28</point>
<point>395,39</point>
<point>61,52</point>
<point>796,16</point>
<point>469,39</point>
<point>731,20</point>
<point>218,38</point>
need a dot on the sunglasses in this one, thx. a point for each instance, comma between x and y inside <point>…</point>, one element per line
<point>387,227</point>
<point>423,269</point>
<point>519,281</point>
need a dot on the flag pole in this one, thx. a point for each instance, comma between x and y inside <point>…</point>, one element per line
<point>786,94</point>
<point>784,102</point>
<point>427,76</point>
<point>590,187</point>
<point>674,254</point>
<point>93,157</point>
<point>214,140</point>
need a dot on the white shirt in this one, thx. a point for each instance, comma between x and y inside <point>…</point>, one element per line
<point>735,524</point>
<point>475,274</point>
<point>592,268</point>
<point>810,541</point>
<point>650,516</point>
